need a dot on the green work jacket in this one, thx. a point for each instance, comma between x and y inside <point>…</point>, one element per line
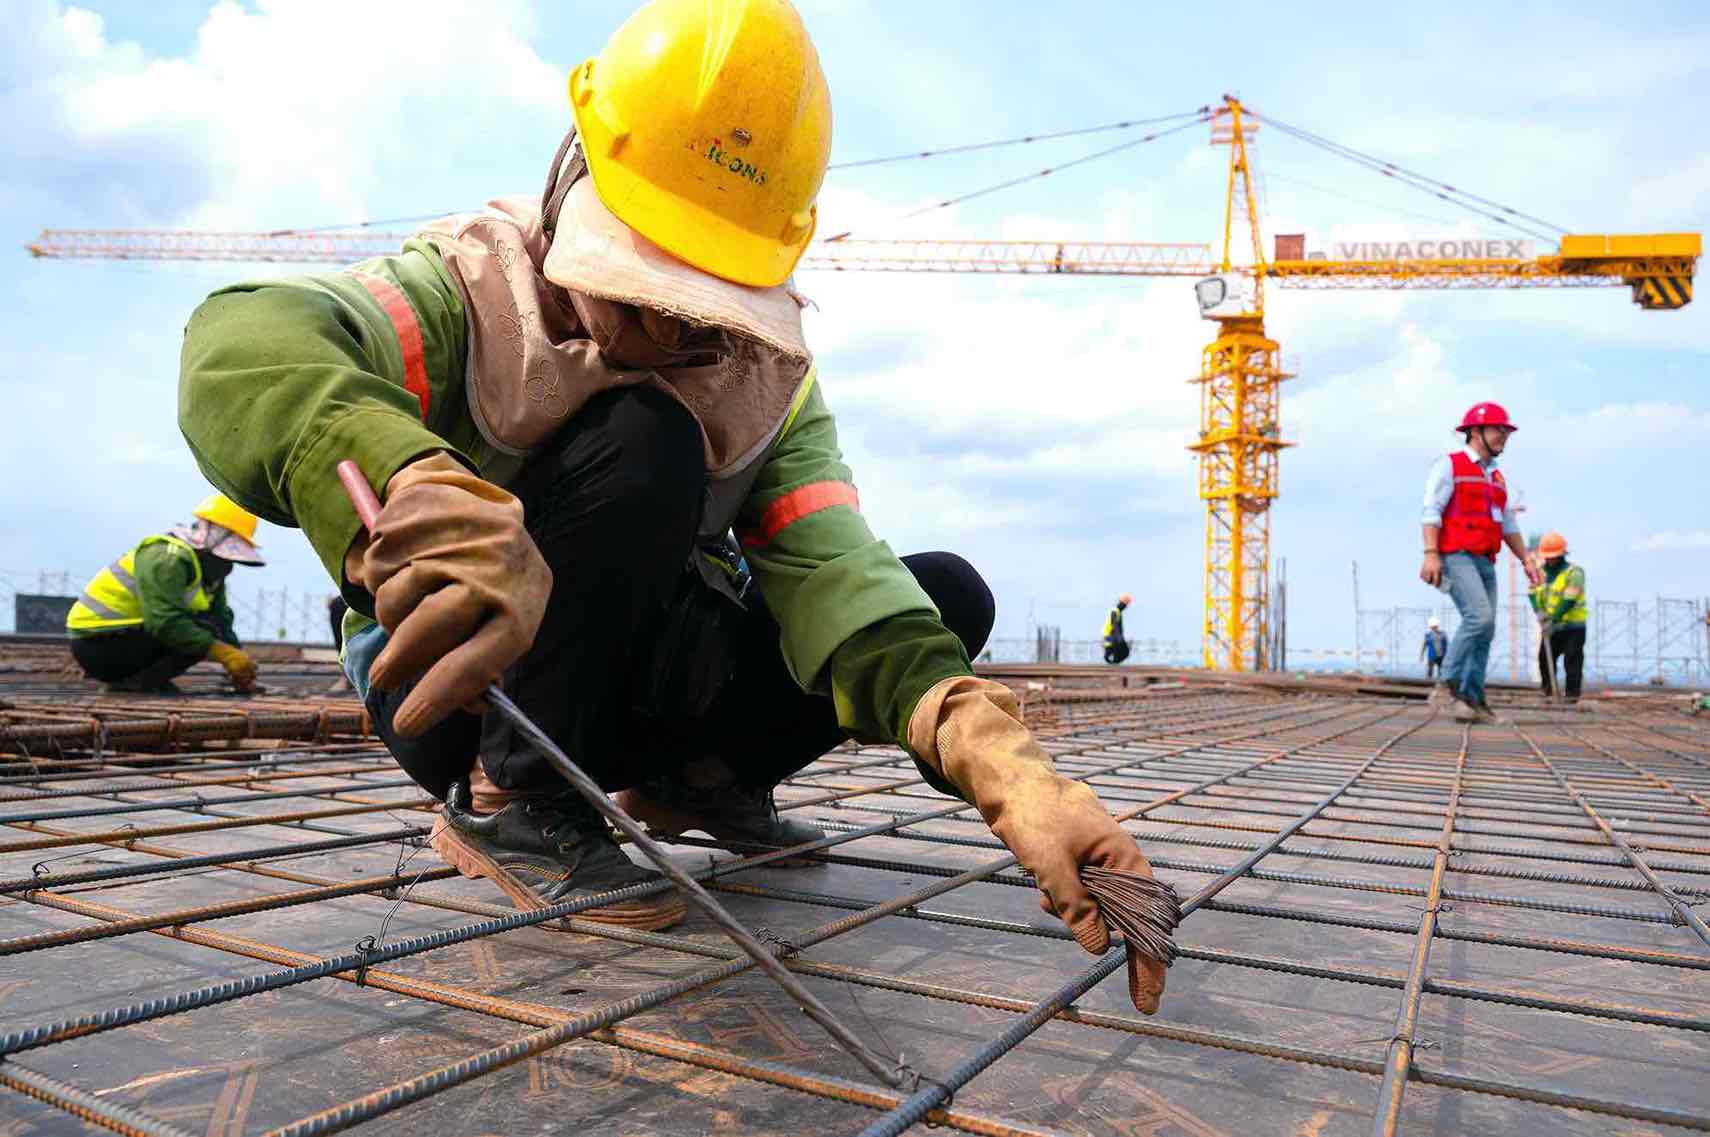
<point>1562,596</point>
<point>280,380</point>
<point>166,584</point>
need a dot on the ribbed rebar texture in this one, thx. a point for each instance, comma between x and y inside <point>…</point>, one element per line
<point>221,915</point>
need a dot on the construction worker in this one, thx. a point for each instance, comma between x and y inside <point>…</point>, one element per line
<point>161,608</point>
<point>1116,646</point>
<point>1561,608</point>
<point>566,408</point>
<point>1435,647</point>
<point>1465,521</point>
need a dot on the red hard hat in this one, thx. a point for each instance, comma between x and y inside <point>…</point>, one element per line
<point>1485,414</point>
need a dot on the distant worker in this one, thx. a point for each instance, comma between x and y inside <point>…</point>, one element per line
<point>1116,646</point>
<point>1465,521</point>
<point>161,608</point>
<point>1435,647</point>
<point>1561,607</point>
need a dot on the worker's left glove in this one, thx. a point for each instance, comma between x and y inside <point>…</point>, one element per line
<point>240,668</point>
<point>969,730</point>
<point>457,581</point>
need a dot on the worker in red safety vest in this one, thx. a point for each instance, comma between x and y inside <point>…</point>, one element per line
<point>1466,520</point>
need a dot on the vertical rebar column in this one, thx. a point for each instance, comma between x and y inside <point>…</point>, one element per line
<point>1399,1060</point>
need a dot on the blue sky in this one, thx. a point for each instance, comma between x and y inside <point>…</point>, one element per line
<point>1036,425</point>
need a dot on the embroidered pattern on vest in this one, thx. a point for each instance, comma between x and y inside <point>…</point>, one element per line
<point>505,257</point>
<point>543,389</point>
<point>532,363</point>
<point>518,327</point>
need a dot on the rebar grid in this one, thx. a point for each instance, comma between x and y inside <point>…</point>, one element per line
<point>1528,995</point>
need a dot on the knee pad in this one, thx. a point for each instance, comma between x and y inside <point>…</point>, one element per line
<point>963,599</point>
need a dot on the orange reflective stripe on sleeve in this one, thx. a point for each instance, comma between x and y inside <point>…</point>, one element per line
<point>797,504</point>
<point>397,308</point>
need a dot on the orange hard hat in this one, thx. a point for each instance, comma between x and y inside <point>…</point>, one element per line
<point>1552,545</point>
<point>1125,599</point>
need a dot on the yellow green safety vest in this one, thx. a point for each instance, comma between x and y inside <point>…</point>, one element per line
<point>110,601</point>
<point>1546,599</point>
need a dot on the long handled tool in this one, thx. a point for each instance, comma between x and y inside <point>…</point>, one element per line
<point>892,1072</point>
<point>1544,634</point>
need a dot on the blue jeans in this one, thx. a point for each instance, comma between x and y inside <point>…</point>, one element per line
<point>1472,586</point>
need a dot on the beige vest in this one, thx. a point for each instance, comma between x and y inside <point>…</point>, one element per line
<point>533,364</point>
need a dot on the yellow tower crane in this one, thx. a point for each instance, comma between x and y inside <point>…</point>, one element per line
<point>1240,380</point>
<point>1240,375</point>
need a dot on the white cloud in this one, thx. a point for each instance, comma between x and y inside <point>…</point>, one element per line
<point>1640,428</point>
<point>1671,539</point>
<point>313,105</point>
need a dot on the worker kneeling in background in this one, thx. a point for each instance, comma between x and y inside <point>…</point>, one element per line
<point>161,608</point>
<point>567,407</point>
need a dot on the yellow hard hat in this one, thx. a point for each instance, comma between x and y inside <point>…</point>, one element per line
<point>221,510</point>
<point>706,125</point>
<point>225,529</point>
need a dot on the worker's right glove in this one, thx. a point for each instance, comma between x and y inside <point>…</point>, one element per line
<point>969,730</point>
<point>456,580</point>
<point>240,668</point>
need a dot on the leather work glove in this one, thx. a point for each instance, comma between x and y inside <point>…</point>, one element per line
<point>970,731</point>
<point>240,668</point>
<point>456,580</point>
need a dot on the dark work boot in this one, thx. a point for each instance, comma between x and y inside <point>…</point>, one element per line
<point>549,850</point>
<point>737,815</point>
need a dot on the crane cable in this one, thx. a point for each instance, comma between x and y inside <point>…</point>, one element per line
<point>351,226</point>
<point>1270,172</point>
<point>1129,124</point>
<point>1465,199</point>
<point>1199,116</point>
<point>1126,124</point>
<point>1438,189</point>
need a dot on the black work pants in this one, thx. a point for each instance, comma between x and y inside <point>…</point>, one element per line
<point>1568,644</point>
<point>133,656</point>
<point>613,504</point>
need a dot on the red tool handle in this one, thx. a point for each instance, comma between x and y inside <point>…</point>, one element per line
<point>361,494</point>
